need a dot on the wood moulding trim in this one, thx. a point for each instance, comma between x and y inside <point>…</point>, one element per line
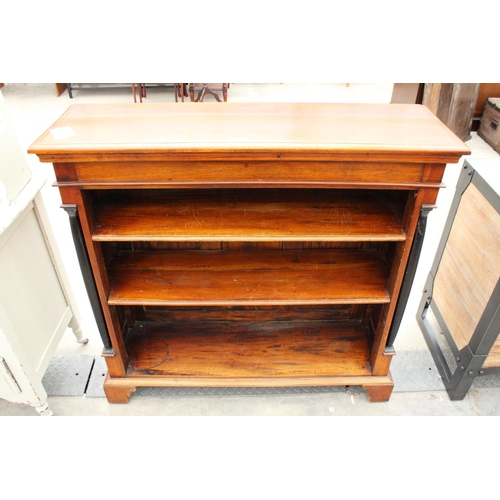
<point>160,381</point>
<point>250,184</point>
<point>209,155</point>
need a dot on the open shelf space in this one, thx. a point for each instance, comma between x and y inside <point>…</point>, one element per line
<point>247,215</point>
<point>248,277</point>
<point>231,349</point>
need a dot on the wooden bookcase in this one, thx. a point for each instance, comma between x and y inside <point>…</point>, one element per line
<point>248,244</point>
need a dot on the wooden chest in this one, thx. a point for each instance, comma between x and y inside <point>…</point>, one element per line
<point>248,245</point>
<point>489,129</point>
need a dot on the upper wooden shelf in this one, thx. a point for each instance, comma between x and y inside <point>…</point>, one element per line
<point>245,215</point>
<point>401,132</point>
<point>246,277</point>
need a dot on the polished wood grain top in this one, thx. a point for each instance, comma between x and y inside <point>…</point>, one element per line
<point>398,129</point>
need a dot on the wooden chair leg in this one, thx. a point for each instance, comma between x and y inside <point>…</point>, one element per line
<point>201,94</point>
<point>141,90</point>
<point>207,90</point>
<point>179,91</point>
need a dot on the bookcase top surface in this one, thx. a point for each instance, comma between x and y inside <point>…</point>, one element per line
<point>398,129</point>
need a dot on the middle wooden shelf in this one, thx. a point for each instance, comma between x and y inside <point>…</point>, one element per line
<point>248,277</point>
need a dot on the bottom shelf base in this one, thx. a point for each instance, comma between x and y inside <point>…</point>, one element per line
<point>378,388</point>
<point>248,350</point>
<point>248,354</point>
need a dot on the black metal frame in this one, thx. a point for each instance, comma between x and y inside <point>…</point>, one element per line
<point>88,277</point>
<point>469,360</point>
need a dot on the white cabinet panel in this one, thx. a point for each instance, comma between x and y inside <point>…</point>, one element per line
<point>31,292</point>
<point>36,301</point>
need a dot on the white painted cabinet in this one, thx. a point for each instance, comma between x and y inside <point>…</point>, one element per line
<point>36,301</point>
<point>36,304</point>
